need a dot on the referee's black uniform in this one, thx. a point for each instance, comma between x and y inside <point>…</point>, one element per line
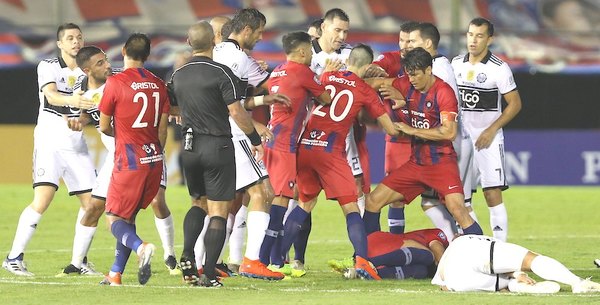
<point>203,89</point>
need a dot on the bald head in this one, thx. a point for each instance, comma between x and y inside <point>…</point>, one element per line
<point>360,56</point>
<point>217,24</point>
<point>201,37</point>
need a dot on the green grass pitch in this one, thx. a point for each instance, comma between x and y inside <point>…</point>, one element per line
<point>561,222</point>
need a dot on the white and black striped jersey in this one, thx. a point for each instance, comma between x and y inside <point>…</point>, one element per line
<point>51,128</point>
<point>246,68</point>
<point>481,87</point>
<point>317,64</point>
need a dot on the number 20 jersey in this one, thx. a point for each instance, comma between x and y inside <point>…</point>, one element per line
<point>480,90</point>
<point>329,125</point>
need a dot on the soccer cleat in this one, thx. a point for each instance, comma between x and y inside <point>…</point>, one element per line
<point>69,270</point>
<point>112,280</point>
<point>235,268</point>
<point>172,266</point>
<point>365,269</point>
<point>224,271</point>
<point>16,266</point>
<point>189,270</point>
<point>87,268</point>
<point>350,273</point>
<point>597,262</point>
<point>287,269</point>
<point>256,269</point>
<point>341,265</point>
<point>539,287</point>
<point>206,282</point>
<point>145,257</point>
<point>586,286</point>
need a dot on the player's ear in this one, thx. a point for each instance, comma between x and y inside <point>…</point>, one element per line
<point>490,40</point>
<point>123,51</point>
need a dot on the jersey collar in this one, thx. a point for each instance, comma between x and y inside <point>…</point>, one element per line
<point>237,44</point>
<point>318,49</point>
<point>61,62</point>
<point>484,60</point>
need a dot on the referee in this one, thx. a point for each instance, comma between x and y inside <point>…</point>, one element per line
<point>207,93</point>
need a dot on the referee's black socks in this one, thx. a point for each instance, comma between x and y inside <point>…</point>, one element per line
<point>213,241</point>
<point>192,227</point>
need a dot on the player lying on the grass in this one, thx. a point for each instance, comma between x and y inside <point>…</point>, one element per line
<point>400,256</point>
<point>481,263</point>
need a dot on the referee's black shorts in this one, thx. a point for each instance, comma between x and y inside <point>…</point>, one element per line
<point>210,168</point>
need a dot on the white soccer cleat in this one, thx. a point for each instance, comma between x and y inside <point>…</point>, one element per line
<point>586,286</point>
<point>16,266</point>
<point>350,273</point>
<point>145,257</point>
<point>597,262</point>
<point>539,287</point>
<point>87,268</point>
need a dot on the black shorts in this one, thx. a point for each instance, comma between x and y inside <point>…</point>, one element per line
<point>210,168</point>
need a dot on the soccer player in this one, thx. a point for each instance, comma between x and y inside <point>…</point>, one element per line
<point>209,154</point>
<point>397,149</point>
<point>321,162</point>
<point>433,111</point>
<point>314,29</point>
<point>483,80</point>
<point>247,27</point>
<point>400,256</point>
<point>217,23</point>
<point>58,151</point>
<point>136,101</point>
<point>481,263</point>
<point>95,65</point>
<point>295,80</point>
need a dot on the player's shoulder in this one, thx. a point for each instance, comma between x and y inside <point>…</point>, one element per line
<point>495,60</point>
<point>458,59</point>
<point>229,48</point>
<point>50,61</point>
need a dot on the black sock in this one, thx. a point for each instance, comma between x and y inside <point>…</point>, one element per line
<point>213,242</point>
<point>192,227</point>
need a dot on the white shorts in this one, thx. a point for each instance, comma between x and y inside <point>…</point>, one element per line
<point>489,163</point>
<point>474,263</point>
<point>74,167</point>
<point>247,170</point>
<point>101,186</point>
<point>352,154</point>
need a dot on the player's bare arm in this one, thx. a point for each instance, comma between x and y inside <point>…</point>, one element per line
<point>270,99</point>
<point>447,131</point>
<point>324,98</point>
<point>76,100</point>
<point>513,101</point>
<point>375,70</point>
<point>390,92</point>
<point>105,125</point>
<point>76,124</point>
<point>162,129</point>
<point>377,82</point>
<point>332,65</point>
<point>264,132</point>
<point>387,125</point>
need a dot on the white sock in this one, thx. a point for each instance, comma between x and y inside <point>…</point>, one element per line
<point>81,243</point>
<point>27,225</point>
<point>552,270</point>
<point>361,205</point>
<point>166,231</point>
<point>228,229</point>
<point>442,219</point>
<point>499,221</point>
<point>199,249</point>
<point>258,222</point>
<point>236,240</point>
<point>291,205</point>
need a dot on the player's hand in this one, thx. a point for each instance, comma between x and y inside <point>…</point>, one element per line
<point>175,118</point>
<point>375,71</point>
<point>485,139</point>
<point>263,64</point>
<point>389,92</point>
<point>264,132</point>
<point>277,98</point>
<point>74,124</point>
<point>522,277</point>
<point>333,65</point>
<point>405,128</point>
<point>258,152</point>
<point>77,100</point>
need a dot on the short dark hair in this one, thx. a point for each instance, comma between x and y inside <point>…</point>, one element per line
<point>292,40</point>
<point>65,26</point>
<point>360,55</point>
<point>336,13</point>
<point>84,55</point>
<point>317,25</point>
<point>247,17</point>
<point>408,27</point>
<point>226,30</point>
<point>137,46</point>
<point>417,59</point>
<point>429,31</point>
<point>479,21</point>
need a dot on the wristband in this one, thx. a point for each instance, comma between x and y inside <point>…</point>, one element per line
<point>259,100</point>
<point>254,138</point>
